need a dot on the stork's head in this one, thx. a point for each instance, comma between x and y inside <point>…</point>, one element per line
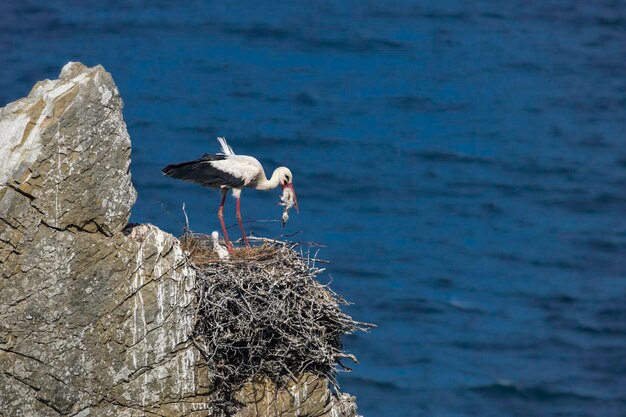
<point>286,181</point>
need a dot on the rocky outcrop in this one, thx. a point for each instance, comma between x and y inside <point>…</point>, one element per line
<point>96,315</point>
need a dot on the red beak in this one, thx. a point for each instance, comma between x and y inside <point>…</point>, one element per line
<point>295,200</point>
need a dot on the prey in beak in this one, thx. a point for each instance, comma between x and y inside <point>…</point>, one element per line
<point>289,186</point>
<point>288,200</point>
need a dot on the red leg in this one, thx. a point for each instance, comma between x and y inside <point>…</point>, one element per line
<point>220,214</point>
<point>243,233</point>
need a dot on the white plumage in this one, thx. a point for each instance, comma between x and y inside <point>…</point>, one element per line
<point>243,167</point>
<point>226,149</point>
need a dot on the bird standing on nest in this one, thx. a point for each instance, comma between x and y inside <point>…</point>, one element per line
<point>228,171</point>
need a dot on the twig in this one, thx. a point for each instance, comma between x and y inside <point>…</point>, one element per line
<point>186,228</point>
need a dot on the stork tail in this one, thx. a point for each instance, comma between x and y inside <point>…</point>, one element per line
<point>226,149</point>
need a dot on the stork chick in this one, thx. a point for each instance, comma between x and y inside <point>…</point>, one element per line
<point>222,253</point>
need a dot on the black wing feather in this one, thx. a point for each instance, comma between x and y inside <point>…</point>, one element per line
<point>202,172</point>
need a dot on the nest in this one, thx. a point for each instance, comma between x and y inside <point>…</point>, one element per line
<point>263,315</point>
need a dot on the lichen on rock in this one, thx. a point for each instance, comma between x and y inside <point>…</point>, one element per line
<point>95,314</point>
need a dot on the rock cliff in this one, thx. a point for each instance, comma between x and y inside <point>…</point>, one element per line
<point>96,315</point>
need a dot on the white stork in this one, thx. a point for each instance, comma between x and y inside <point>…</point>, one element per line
<point>217,248</point>
<point>226,171</point>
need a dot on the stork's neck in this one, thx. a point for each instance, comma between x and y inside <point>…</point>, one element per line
<point>265,184</point>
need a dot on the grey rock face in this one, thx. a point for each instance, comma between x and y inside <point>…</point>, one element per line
<point>95,316</point>
<point>66,148</point>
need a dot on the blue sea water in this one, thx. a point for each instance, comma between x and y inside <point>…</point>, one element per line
<point>464,162</point>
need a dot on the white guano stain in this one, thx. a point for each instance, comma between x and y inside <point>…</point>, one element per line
<point>295,392</point>
<point>138,326</point>
<point>169,281</point>
<point>59,177</point>
<point>106,95</point>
